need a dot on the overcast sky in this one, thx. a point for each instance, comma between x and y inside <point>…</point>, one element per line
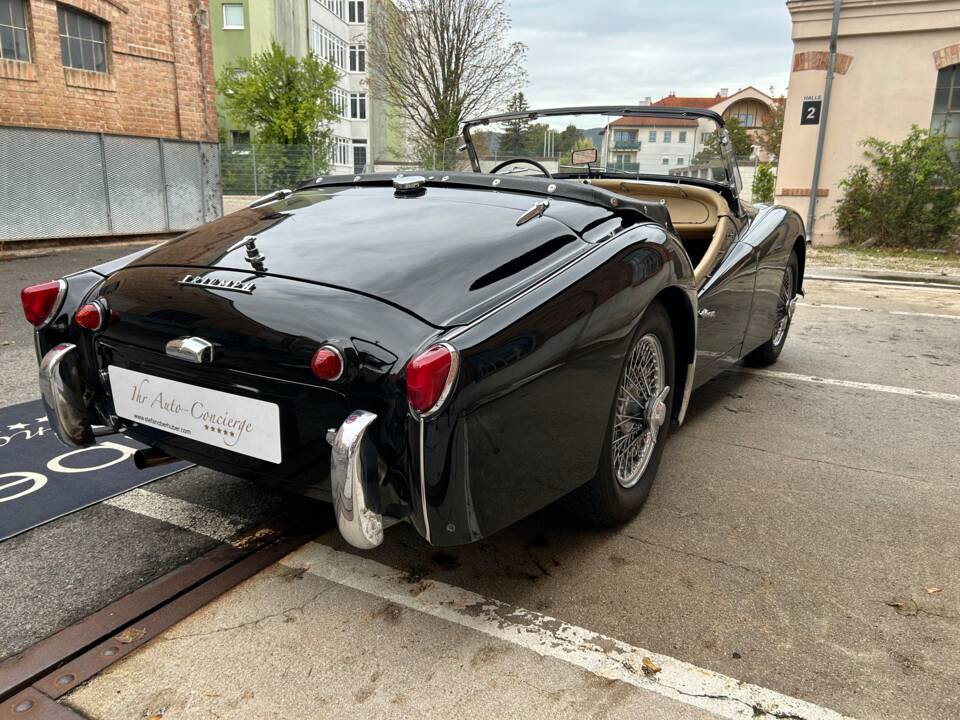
<point>587,52</point>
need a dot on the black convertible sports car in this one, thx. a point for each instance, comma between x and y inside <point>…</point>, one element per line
<point>452,349</point>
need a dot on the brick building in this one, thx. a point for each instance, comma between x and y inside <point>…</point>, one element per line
<point>105,76</point>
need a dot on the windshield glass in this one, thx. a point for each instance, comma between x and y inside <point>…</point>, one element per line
<point>638,144</point>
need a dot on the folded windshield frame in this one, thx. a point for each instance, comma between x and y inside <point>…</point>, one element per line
<point>732,173</point>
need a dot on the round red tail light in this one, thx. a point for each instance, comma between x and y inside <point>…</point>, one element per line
<point>430,378</point>
<point>327,363</point>
<point>89,316</point>
<point>41,302</point>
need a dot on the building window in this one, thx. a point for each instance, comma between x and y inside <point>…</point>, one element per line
<point>83,40</point>
<point>358,106</point>
<point>328,46</point>
<point>682,136</point>
<point>13,31</point>
<point>355,11</point>
<point>359,156</point>
<point>681,160</point>
<point>653,136</point>
<point>358,58</point>
<point>232,16</point>
<point>666,161</point>
<point>240,137</point>
<point>745,119</point>
<point>668,136</point>
<point>340,151</point>
<point>946,105</point>
<point>340,99</point>
<point>334,6</point>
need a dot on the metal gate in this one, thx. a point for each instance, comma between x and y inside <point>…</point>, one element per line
<point>56,183</point>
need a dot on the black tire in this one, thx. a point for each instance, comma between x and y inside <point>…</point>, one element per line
<point>604,501</point>
<point>768,353</point>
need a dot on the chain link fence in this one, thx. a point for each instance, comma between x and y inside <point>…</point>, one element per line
<point>58,183</point>
<point>260,169</point>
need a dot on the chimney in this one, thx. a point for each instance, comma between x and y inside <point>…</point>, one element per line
<point>724,92</point>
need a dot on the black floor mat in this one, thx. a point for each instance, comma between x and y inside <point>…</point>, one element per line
<point>41,479</point>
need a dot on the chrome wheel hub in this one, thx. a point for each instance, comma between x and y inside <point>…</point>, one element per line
<point>641,410</point>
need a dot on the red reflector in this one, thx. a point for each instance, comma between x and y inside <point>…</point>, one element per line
<point>89,316</point>
<point>40,302</point>
<point>327,363</point>
<point>430,376</point>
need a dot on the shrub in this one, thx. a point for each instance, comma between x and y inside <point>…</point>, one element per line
<point>907,195</point>
<point>764,181</point>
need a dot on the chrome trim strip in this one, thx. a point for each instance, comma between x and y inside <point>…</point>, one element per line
<point>270,197</point>
<point>423,486</point>
<point>62,395</point>
<point>687,391</point>
<point>359,525</point>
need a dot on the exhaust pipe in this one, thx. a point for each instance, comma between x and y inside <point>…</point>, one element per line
<point>151,457</point>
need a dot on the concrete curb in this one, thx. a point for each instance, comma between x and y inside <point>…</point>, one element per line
<point>881,277</point>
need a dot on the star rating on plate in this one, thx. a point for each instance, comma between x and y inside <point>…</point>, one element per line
<point>219,431</point>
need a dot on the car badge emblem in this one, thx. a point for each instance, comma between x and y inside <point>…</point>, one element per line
<point>217,284</point>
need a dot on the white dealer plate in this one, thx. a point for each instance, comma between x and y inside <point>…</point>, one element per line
<point>243,425</point>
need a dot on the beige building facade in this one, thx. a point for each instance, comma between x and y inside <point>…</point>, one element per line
<point>891,57</point>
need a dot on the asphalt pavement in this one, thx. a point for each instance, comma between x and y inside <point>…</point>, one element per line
<point>802,537</point>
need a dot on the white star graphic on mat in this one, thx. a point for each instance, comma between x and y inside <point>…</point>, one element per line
<point>18,426</point>
<point>43,419</point>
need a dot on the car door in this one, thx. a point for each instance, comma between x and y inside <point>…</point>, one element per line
<point>725,298</point>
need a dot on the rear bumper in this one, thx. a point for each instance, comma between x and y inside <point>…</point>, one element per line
<point>62,392</point>
<point>353,479</point>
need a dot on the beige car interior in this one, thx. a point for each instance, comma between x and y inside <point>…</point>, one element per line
<point>700,216</point>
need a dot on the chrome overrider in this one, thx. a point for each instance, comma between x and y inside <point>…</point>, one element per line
<point>62,393</point>
<point>349,478</point>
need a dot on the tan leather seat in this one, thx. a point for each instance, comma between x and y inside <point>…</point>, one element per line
<point>699,215</point>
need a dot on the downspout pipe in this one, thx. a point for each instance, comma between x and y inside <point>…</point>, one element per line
<point>824,114</point>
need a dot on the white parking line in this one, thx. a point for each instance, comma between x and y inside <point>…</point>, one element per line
<point>182,513</point>
<point>826,306</point>
<point>891,389</point>
<point>599,654</point>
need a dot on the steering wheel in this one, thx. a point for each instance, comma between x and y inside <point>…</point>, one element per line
<point>528,161</point>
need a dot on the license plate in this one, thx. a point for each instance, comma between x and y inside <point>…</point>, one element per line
<point>231,422</point>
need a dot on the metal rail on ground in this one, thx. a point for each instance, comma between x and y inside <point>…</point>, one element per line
<point>32,681</point>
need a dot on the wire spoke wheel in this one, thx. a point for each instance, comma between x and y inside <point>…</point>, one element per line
<point>640,410</point>
<point>783,307</point>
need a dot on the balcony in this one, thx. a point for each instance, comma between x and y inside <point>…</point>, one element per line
<point>626,145</point>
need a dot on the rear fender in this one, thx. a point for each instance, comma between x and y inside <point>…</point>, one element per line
<point>538,376</point>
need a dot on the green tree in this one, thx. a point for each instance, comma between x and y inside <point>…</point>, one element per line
<point>907,194</point>
<point>514,139</point>
<point>739,137</point>
<point>764,182</point>
<point>771,130</point>
<point>285,101</point>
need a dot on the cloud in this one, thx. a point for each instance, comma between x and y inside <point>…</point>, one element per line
<point>596,52</point>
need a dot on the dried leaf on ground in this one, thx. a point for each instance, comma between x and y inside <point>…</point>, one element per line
<point>904,607</point>
<point>932,590</point>
<point>650,667</point>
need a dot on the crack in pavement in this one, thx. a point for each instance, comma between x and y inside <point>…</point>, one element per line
<point>707,558</point>
<point>249,623</point>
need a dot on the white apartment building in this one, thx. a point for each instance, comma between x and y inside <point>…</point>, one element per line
<point>338,33</point>
<point>651,145</point>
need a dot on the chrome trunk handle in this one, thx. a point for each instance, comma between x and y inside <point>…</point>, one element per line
<point>191,349</point>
